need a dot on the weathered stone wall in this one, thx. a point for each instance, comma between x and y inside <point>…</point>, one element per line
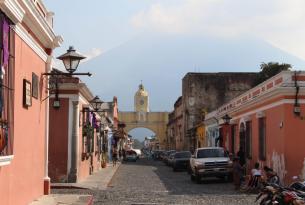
<point>207,91</point>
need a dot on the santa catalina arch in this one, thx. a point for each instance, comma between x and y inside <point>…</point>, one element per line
<point>143,118</point>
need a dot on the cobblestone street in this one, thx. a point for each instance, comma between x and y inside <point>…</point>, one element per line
<point>151,182</point>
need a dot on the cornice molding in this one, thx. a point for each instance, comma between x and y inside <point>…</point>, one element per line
<point>30,42</point>
<point>39,26</point>
<point>13,10</point>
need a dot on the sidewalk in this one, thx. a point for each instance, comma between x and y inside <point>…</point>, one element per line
<point>98,181</point>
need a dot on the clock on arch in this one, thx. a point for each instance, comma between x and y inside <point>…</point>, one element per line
<point>141,101</point>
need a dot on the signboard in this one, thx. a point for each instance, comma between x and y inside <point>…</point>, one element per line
<point>27,93</point>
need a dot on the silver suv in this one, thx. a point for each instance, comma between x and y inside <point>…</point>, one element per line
<point>210,162</point>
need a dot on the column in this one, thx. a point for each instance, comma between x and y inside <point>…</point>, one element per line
<point>72,178</point>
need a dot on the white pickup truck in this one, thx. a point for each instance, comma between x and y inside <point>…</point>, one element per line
<point>210,162</point>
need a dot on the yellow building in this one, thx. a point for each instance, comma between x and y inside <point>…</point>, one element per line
<point>143,118</point>
<point>141,101</point>
<point>200,135</point>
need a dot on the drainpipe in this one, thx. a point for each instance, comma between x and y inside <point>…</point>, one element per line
<point>46,179</point>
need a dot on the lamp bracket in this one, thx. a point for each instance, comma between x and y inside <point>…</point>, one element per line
<point>67,74</point>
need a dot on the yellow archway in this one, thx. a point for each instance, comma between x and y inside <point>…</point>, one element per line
<point>155,121</point>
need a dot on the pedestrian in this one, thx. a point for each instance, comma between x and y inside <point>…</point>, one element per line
<point>237,173</point>
<point>242,157</point>
<point>114,156</point>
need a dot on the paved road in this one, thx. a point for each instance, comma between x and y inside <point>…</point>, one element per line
<point>151,182</point>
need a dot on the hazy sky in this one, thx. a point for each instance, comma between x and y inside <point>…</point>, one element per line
<point>96,26</point>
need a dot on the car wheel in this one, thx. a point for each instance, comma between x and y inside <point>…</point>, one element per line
<point>192,177</point>
<point>189,170</point>
<point>198,179</point>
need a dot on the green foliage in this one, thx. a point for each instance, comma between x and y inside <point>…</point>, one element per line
<point>88,130</point>
<point>270,69</point>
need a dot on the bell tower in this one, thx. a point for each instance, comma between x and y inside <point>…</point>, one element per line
<point>141,100</point>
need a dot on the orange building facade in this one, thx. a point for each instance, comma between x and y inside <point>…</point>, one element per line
<point>27,41</point>
<point>78,136</point>
<point>72,154</point>
<point>268,121</point>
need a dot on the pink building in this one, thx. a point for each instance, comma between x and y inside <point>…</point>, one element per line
<point>27,40</point>
<point>268,121</point>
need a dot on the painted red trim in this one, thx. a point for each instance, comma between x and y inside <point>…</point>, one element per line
<point>278,81</point>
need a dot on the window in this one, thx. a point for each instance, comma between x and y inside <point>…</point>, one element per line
<point>262,138</point>
<point>249,139</point>
<point>210,153</point>
<point>233,133</point>
<point>7,53</point>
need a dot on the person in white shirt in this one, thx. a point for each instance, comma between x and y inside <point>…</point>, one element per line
<point>255,177</point>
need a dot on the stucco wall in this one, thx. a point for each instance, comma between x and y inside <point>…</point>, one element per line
<point>58,141</point>
<point>208,91</point>
<point>26,172</point>
<point>284,141</point>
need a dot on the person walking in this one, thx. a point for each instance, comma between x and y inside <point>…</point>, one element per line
<point>114,156</point>
<point>242,157</point>
<point>237,173</point>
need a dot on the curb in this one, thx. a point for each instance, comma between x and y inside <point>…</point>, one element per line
<point>67,187</point>
<point>110,181</point>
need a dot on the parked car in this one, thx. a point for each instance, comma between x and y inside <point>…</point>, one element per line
<point>166,156</point>
<point>157,154</point>
<point>210,162</point>
<point>138,151</point>
<point>181,160</point>
<point>131,155</point>
<point>170,159</point>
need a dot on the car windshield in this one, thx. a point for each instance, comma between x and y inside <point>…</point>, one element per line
<point>170,152</point>
<point>206,153</point>
<point>183,155</point>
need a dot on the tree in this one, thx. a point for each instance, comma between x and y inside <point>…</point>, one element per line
<point>270,69</point>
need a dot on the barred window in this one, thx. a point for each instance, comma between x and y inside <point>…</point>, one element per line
<point>7,70</point>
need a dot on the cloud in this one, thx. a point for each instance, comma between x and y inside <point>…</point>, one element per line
<point>280,22</point>
<point>93,53</point>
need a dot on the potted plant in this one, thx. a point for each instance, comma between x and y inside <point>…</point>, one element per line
<point>103,162</point>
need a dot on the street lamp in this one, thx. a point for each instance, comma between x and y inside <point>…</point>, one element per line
<point>226,119</point>
<point>96,103</point>
<point>71,59</point>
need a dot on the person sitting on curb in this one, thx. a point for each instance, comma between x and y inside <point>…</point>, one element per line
<point>256,176</point>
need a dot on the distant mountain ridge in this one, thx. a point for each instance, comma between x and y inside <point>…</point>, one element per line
<point>161,61</point>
